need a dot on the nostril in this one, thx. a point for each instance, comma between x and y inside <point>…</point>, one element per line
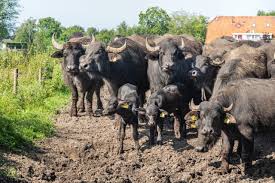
<point>85,66</point>
<point>194,73</point>
<point>204,131</point>
<point>211,131</point>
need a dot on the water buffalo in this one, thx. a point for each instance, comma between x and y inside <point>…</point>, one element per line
<point>236,112</point>
<point>207,65</point>
<point>242,62</point>
<point>170,60</point>
<point>129,66</point>
<point>269,49</point>
<point>169,100</point>
<point>128,102</point>
<point>80,83</point>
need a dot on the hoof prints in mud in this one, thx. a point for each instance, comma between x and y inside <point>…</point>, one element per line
<point>84,149</point>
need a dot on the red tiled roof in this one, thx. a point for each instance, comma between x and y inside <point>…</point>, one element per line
<point>226,25</point>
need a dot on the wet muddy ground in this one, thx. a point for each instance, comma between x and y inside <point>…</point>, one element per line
<point>83,150</point>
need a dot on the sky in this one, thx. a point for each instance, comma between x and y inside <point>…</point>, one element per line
<point>110,13</point>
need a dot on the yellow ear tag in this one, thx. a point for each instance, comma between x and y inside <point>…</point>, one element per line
<point>125,106</point>
<point>194,118</point>
<point>162,115</point>
<point>227,120</point>
<point>193,125</point>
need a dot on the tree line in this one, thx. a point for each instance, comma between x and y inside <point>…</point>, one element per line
<point>153,21</point>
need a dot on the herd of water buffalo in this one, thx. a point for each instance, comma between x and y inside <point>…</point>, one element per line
<point>230,81</point>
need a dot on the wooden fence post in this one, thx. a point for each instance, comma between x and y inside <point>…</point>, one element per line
<point>15,81</point>
<point>40,76</point>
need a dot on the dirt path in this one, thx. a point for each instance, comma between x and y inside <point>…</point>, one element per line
<point>84,151</point>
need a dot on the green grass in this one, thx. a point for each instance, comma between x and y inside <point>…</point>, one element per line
<point>27,116</point>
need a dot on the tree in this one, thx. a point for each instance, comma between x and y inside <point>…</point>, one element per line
<point>154,21</point>
<point>123,29</point>
<point>68,32</point>
<point>25,33</point>
<point>8,14</point>
<point>192,24</point>
<point>265,13</point>
<point>105,35</point>
<point>92,31</point>
<point>46,27</point>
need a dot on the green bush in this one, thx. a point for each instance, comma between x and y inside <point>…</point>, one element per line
<point>27,116</point>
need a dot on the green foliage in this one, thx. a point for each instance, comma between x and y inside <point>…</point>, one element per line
<point>266,13</point>
<point>105,35</point>
<point>92,31</point>
<point>46,27</point>
<point>25,33</point>
<point>192,24</point>
<point>27,116</point>
<point>124,30</point>
<point>8,15</point>
<point>154,21</point>
<point>67,32</point>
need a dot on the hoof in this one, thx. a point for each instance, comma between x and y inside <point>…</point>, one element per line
<point>159,142</point>
<point>98,113</point>
<point>120,151</point>
<point>221,171</point>
<point>81,110</point>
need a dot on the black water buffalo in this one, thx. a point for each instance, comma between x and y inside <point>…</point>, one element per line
<point>129,66</point>
<point>271,67</point>
<point>242,62</point>
<point>170,60</point>
<point>269,49</point>
<point>169,100</point>
<point>239,104</point>
<point>207,65</point>
<point>128,102</point>
<point>80,83</point>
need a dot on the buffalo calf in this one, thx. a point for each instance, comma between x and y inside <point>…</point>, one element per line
<point>168,100</point>
<point>126,108</point>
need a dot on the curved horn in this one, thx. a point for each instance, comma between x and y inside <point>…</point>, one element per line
<point>182,46</point>
<point>227,109</point>
<point>56,45</point>
<point>116,50</point>
<point>93,39</point>
<point>193,107</point>
<point>150,48</point>
<point>217,62</point>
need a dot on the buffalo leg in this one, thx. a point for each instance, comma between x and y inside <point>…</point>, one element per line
<point>89,99</point>
<point>247,141</point>
<point>159,131</point>
<point>81,105</point>
<point>135,135</point>
<point>73,111</point>
<point>179,126</point>
<point>227,144</point>
<point>113,90</point>
<point>121,135</point>
<point>99,109</point>
<point>152,135</point>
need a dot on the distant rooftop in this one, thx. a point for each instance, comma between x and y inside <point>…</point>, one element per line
<point>228,25</point>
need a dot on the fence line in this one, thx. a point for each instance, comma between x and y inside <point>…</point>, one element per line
<point>16,78</point>
<point>15,81</point>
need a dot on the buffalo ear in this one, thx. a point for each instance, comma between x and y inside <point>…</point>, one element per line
<point>230,118</point>
<point>152,56</point>
<point>57,54</point>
